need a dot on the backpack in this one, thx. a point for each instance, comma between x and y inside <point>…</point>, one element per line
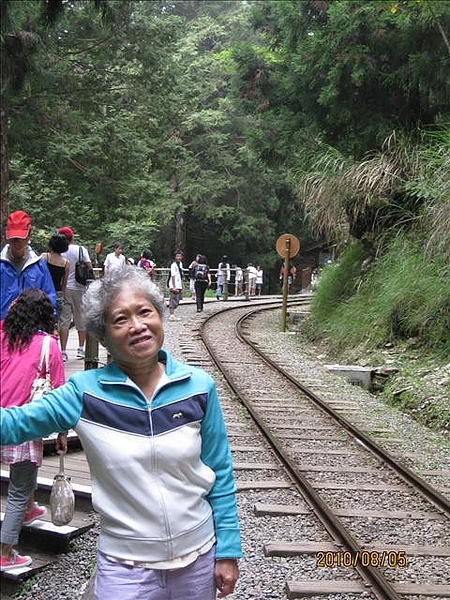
<point>147,265</point>
<point>144,264</point>
<point>201,272</point>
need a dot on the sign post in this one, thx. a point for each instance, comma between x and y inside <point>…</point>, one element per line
<point>92,352</point>
<point>287,247</point>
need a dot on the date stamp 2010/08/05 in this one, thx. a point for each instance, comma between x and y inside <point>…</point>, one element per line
<point>365,558</point>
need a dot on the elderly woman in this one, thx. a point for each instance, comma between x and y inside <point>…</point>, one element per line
<point>155,439</point>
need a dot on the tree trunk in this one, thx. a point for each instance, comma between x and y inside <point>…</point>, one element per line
<point>180,221</point>
<point>180,231</point>
<point>4,158</point>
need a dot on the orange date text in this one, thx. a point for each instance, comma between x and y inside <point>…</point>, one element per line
<point>364,558</point>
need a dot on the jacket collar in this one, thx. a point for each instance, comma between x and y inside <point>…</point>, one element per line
<point>31,256</point>
<point>175,370</point>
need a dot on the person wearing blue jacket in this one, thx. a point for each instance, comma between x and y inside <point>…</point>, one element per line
<point>20,267</point>
<point>155,439</point>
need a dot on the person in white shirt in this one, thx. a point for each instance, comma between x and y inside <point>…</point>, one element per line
<point>73,296</point>
<point>223,278</point>
<point>175,284</point>
<point>114,260</point>
<point>238,280</point>
<point>251,273</point>
<point>259,280</point>
<point>191,268</point>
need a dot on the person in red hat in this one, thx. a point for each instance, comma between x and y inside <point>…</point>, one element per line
<point>20,267</point>
<point>73,296</point>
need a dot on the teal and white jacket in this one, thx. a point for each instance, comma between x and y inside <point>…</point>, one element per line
<point>161,471</point>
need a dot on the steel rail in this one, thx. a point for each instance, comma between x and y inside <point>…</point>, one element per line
<point>425,489</point>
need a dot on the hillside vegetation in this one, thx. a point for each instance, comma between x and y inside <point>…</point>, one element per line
<point>397,316</point>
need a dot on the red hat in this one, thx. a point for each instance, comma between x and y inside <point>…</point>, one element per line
<point>18,225</point>
<point>67,232</point>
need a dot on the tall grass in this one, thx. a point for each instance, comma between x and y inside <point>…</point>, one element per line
<point>404,295</point>
<point>338,283</point>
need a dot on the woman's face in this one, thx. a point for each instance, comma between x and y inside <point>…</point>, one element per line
<point>134,331</point>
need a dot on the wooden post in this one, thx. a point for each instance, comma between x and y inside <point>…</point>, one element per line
<point>247,294</point>
<point>91,354</point>
<point>287,256</point>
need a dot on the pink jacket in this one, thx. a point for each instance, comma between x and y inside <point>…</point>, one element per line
<point>18,370</point>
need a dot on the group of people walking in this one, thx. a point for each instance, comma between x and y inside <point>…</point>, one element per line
<point>169,525</point>
<point>201,278</point>
<point>253,279</point>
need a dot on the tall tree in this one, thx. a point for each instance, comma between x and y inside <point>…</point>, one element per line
<point>24,26</point>
<point>328,87</point>
<point>96,113</point>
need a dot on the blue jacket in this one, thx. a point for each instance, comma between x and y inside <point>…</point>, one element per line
<point>34,274</point>
<point>161,470</point>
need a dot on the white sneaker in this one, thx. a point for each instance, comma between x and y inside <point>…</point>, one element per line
<point>174,318</point>
<point>80,353</point>
<point>64,356</point>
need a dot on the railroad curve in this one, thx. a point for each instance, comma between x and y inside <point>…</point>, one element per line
<point>313,441</point>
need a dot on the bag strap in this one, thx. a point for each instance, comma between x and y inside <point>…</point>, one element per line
<point>61,462</point>
<point>44,360</point>
<point>80,254</point>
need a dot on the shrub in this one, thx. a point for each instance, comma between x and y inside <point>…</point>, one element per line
<point>404,295</point>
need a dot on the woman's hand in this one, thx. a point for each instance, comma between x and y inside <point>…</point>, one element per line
<point>226,573</point>
<point>61,443</point>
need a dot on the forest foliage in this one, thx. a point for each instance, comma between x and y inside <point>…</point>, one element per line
<point>218,126</point>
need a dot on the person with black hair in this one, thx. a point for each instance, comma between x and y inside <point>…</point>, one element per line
<point>202,279</point>
<point>115,260</point>
<point>175,284</point>
<point>191,272</point>
<point>147,263</point>
<point>58,266</point>
<point>223,277</point>
<point>28,321</point>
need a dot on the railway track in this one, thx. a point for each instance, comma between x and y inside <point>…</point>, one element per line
<point>286,452</point>
<point>327,456</point>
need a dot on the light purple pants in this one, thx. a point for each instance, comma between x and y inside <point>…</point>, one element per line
<point>115,581</point>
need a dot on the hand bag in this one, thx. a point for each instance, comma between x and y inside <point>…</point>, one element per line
<point>62,499</point>
<point>82,272</point>
<point>42,385</point>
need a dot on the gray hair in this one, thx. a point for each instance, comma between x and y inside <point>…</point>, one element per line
<point>101,293</point>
